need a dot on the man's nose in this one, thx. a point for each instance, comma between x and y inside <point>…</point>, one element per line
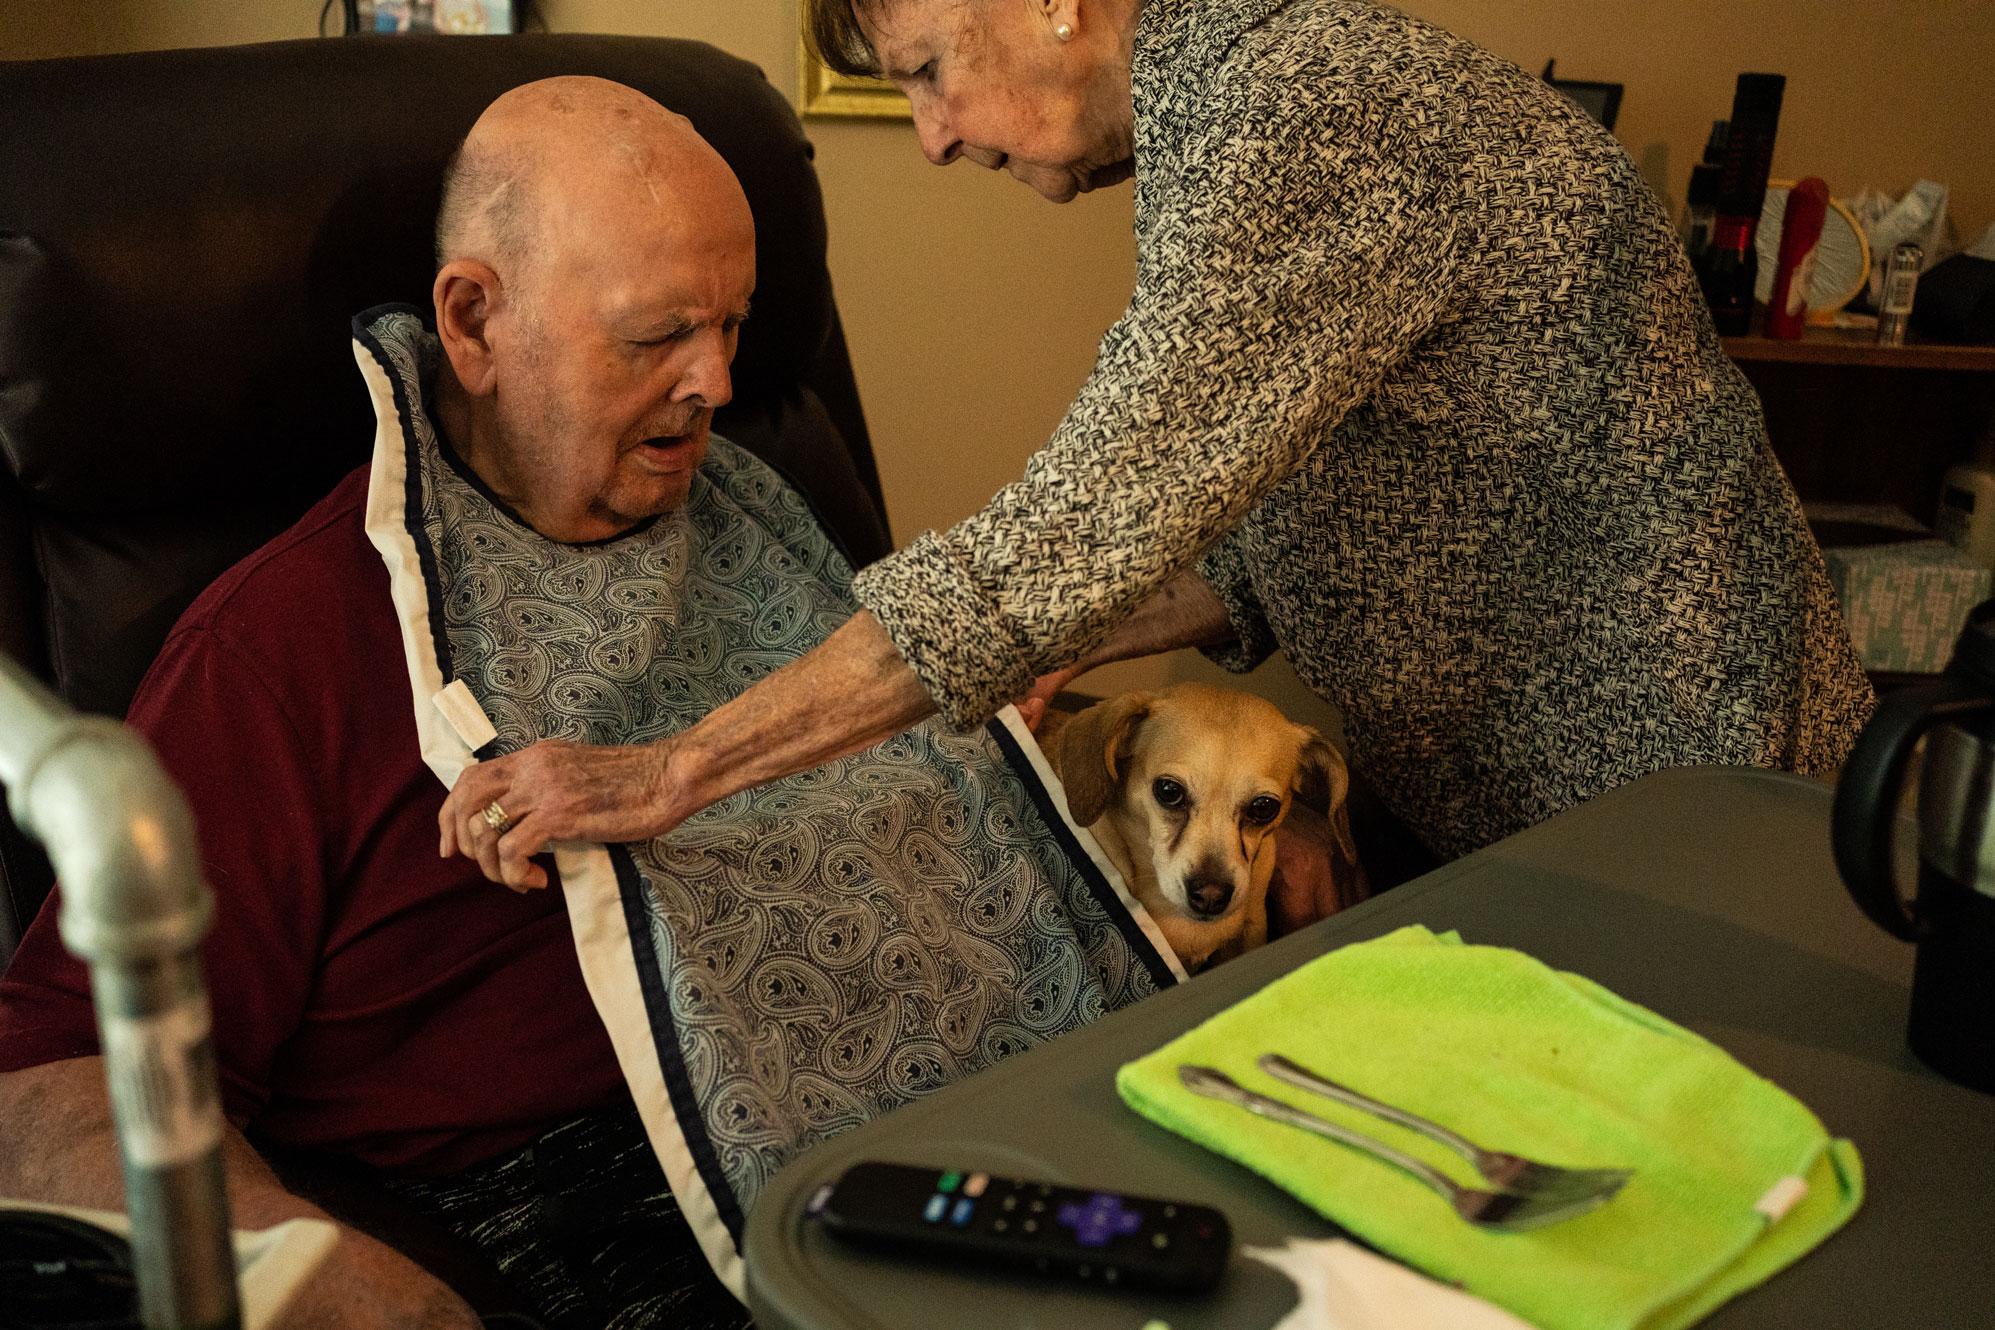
<point>706,376</point>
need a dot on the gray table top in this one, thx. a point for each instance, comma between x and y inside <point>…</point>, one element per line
<point>1707,894</point>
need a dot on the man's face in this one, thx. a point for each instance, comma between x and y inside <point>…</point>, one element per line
<point>612,355</point>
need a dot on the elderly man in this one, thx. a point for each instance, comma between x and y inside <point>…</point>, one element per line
<point>548,525</point>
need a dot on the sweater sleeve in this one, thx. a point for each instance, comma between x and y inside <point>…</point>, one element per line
<point>1228,569</point>
<point>1295,252</point>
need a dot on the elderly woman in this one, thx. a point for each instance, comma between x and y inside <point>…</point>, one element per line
<point>1415,385</point>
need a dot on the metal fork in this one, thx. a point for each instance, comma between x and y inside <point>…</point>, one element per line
<point>1506,1172</point>
<point>1488,1209</point>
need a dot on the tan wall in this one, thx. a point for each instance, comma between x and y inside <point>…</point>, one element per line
<point>974,308</point>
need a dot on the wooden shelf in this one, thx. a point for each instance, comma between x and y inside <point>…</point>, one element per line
<point>1851,346</point>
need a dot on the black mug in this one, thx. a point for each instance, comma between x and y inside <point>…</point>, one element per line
<point>1952,917</point>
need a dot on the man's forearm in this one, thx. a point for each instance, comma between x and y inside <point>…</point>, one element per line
<point>60,1146</point>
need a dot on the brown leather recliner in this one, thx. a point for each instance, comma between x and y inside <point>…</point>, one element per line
<point>184,237</point>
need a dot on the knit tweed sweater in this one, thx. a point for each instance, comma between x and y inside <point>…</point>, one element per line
<point>1416,374</point>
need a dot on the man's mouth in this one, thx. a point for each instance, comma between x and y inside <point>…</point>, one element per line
<point>671,451</point>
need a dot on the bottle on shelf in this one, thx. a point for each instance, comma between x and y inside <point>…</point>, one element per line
<point>1901,284</point>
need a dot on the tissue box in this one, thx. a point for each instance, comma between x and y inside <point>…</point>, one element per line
<point>1905,601</point>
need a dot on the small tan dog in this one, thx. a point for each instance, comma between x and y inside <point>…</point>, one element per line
<point>1184,789</point>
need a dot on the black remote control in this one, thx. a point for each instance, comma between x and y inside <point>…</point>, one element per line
<point>1100,1236</point>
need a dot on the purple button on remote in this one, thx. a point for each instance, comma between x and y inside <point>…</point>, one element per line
<point>1102,1218</point>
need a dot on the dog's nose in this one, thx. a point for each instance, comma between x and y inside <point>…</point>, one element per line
<point>1209,896</point>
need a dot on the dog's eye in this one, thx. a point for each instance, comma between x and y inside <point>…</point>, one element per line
<point>1169,793</point>
<point>1264,810</point>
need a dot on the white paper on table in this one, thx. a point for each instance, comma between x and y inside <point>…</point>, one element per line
<point>1345,1287</point>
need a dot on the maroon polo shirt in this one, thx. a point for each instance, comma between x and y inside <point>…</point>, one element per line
<point>369,998</point>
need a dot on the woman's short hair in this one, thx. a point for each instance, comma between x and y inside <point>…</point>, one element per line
<point>837,39</point>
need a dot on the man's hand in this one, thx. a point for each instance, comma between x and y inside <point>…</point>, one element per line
<point>1313,877</point>
<point>557,791</point>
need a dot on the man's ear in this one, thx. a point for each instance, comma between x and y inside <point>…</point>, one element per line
<point>1094,752</point>
<point>465,293</point>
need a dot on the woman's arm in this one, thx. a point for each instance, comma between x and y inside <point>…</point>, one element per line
<point>1184,612</point>
<point>846,694</point>
<point>849,693</point>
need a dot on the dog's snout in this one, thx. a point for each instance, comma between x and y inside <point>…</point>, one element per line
<point>1209,896</point>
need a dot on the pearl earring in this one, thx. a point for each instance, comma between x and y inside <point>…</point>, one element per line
<point>1065,32</point>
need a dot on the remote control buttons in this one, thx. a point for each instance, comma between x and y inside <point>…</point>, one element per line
<point>938,1205</point>
<point>961,1215</point>
<point>976,1184</point>
<point>948,1182</point>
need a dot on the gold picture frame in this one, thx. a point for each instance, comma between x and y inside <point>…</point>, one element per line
<point>825,92</point>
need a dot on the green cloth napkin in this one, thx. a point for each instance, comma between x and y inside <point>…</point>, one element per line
<point>1520,1057</point>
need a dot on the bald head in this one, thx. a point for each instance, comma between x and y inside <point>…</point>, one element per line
<point>564,162</point>
<point>596,259</point>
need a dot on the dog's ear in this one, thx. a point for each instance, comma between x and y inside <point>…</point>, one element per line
<point>1322,781</point>
<point>1094,752</point>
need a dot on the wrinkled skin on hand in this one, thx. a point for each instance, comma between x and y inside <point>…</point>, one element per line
<point>556,791</point>
<point>1032,707</point>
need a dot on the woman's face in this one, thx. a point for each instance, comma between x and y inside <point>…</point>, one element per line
<point>990,80</point>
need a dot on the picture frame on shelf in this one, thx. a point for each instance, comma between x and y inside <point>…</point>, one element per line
<point>467,17</point>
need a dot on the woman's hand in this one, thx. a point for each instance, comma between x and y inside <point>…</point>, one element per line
<point>1032,706</point>
<point>558,791</point>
